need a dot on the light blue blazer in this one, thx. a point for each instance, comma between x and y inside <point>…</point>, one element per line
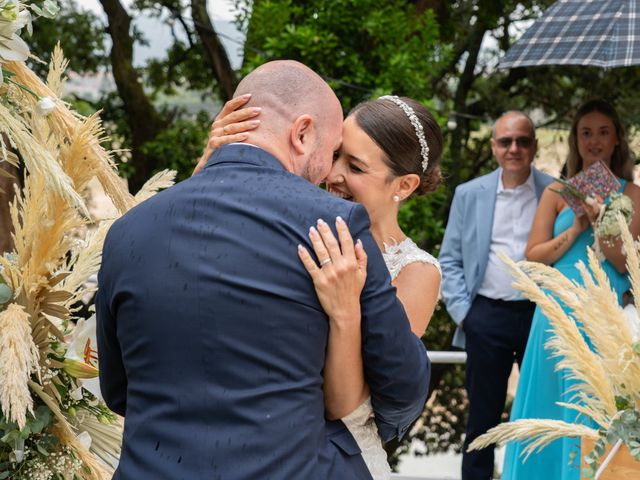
<point>467,238</point>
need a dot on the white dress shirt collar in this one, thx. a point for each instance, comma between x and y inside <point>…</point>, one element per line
<point>529,183</point>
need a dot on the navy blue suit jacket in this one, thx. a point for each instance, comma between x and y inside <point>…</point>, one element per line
<point>212,341</point>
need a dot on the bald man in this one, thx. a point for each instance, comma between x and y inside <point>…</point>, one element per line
<point>490,214</point>
<point>210,334</point>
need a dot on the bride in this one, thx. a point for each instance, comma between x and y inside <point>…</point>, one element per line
<point>390,151</point>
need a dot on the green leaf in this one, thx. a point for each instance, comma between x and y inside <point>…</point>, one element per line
<point>622,403</point>
<point>37,10</point>
<point>42,450</point>
<point>10,437</point>
<point>51,9</point>
<point>6,294</point>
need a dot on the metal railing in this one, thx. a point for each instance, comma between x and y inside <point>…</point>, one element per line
<point>447,357</point>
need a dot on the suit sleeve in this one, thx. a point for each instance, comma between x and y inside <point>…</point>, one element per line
<point>113,377</point>
<point>396,365</point>
<point>454,288</point>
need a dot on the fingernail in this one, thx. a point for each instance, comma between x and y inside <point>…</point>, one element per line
<point>300,248</point>
<point>339,220</point>
<point>321,222</point>
<point>313,231</point>
<point>246,95</point>
<point>359,242</point>
<point>254,122</point>
<point>256,110</point>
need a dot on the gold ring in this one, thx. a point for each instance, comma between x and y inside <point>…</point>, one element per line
<point>325,261</point>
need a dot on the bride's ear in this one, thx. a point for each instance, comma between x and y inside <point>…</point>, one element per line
<point>302,133</point>
<point>406,185</point>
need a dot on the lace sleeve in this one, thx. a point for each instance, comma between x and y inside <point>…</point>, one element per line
<point>399,255</point>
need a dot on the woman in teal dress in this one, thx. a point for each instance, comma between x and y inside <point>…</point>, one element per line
<point>560,238</point>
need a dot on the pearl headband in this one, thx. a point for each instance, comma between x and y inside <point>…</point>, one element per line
<point>413,118</point>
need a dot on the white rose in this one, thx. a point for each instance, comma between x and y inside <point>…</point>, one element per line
<point>45,106</point>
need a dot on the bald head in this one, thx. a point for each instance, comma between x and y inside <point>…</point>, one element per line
<point>287,86</point>
<point>300,115</point>
<point>514,114</point>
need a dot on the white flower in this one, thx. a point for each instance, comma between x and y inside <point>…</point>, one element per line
<point>631,314</point>
<point>607,226</point>
<point>45,106</point>
<point>84,438</point>
<point>13,17</point>
<point>76,394</point>
<point>82,356</point>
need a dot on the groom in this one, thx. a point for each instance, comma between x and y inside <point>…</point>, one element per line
<point>211,337</point>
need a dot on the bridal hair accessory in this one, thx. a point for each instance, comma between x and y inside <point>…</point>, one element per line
<point>413,118</point>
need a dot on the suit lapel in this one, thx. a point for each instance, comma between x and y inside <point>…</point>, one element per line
<point>538,181</point>
<point>485,206</point>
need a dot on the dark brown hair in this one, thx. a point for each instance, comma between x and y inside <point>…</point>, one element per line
<point>621,161</point>
<point>390,128</point>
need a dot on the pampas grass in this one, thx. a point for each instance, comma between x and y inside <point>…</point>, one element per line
<point>52,260</point>
<point>534,433</point>
<point>159,181</point>
<point>581,362</point>
<point>18,360</point>
<point>37,160</point>
<point>63,123</point>
<point>603,372</point>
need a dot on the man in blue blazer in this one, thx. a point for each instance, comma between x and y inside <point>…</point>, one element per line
<point>210,334</point>
<point>490,214</point>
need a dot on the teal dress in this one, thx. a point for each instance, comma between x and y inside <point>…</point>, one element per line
<point>541,386</point>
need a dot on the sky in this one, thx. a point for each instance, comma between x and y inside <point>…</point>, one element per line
<point>218,9</point>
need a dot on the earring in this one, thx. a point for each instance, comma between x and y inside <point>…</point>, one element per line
<point>396,198</point>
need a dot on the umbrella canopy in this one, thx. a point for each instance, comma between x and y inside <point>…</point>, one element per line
<point>602,33</point>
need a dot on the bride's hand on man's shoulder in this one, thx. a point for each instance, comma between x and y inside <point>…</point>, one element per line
<point>341,273</point>
<point>232,124</point>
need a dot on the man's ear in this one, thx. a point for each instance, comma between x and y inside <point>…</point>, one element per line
<point>494,146</point>
<point>302,133</point>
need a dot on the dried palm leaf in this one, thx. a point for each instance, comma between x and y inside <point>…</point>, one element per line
<point>63,122</point>
<point>38,160</point>
<point>63,431</point>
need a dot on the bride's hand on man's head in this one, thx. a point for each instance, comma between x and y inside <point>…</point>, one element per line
<point>232,124</point>
<point>342,271</point>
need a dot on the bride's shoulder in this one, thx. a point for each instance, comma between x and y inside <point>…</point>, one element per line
<point>399,256</point>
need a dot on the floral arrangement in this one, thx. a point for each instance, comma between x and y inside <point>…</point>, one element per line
<point>53,423</point>
<point>606,226</point>
<point>608,376</point>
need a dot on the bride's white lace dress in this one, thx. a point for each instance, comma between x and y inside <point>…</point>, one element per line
<point>361,422</point>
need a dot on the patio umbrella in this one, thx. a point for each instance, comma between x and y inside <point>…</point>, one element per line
<point>602,33</point>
